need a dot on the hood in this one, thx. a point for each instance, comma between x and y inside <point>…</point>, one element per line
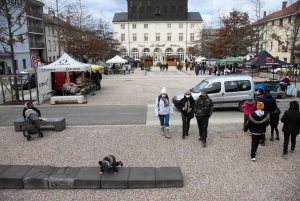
<point>268,95</point>
<point>25,105</point>
<point>259,117</point>
<point>294,105</point>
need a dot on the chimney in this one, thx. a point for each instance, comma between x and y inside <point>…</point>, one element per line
<point>265,13</point>
<point>284,5</point>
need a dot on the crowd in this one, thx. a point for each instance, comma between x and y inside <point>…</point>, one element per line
<point>259,112</point>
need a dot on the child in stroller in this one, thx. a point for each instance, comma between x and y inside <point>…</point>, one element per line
<point>32,121</point>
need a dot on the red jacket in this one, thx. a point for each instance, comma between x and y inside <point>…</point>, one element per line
<point>249,106</point>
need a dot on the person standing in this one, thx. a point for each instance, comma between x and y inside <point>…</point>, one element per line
<point>259,93</point>
<point>258,121</point>
<point>284,83</point>
<point>248,106</point>
<point>124,69</point>
<point>98,78</point>
<point>187,104</point>
<point>129,68</point>
<point>203,110</point>
<point>274,120</point>
<point>269,107</point>
<point>167,66</point>
<point>291,126</point>
<point>163,110</point>
<point>197,69</point>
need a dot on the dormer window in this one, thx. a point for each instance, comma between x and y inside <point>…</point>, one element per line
<point>157,10</point>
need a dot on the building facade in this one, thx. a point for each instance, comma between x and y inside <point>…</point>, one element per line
<point>157,28</point>
<point>285,24</point>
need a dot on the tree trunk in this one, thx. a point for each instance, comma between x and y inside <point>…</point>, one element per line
<point>14,69</point>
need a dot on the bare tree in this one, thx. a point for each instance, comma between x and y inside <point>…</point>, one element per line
<point>12,19</point>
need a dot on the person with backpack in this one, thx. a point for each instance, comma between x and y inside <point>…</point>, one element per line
<point>163,110</point>
<point>187,103</point>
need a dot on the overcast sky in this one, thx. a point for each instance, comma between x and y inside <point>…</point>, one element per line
<point>209,9</point>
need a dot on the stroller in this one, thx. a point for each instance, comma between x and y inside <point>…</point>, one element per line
<point>32,124</point>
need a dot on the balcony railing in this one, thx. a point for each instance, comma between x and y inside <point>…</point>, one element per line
<point>35,29</point>
<point>35,14</point>
<point>36,45</point>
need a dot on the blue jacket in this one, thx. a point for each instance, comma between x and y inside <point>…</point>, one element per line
<point>269,102</point>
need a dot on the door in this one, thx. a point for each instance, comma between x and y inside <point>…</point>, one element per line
<point>214,91</point>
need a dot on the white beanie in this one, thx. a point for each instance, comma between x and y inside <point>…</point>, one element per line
<point>164,90</point>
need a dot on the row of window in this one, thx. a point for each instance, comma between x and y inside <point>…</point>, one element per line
<point>51,30</point>
<point>157,37</point>
<point>52,44</point>
<point>169,26</point>
<point>281,21</point>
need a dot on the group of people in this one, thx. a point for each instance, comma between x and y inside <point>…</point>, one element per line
<point>202,108</point>
<point>164,66</point>
<point>259,113</point>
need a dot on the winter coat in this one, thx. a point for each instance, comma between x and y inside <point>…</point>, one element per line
<point>274,119</point>
<point>111,160</point>
<point>203,107</point>
<point>249,106</point>
<point>34,108</point>
<point>269,102</point>
<point>291,120</point>
<point>183,102</point>
<point>160,108</point>
<point>258,121</point>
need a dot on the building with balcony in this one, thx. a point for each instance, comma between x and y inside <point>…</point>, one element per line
<point>157,29</point>
<point>33,31</point>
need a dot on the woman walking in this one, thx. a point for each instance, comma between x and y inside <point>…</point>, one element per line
<point>163,109</point>
<point>291,126</point>
<point>187,103</point>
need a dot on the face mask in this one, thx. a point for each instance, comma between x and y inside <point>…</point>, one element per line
<point>187,96</point>
<point>163,95</point>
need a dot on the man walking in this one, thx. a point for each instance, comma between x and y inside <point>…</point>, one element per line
<point>203,110</point>
<point>270,106</point>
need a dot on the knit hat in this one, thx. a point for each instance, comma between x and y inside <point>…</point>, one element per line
<point>249,97</point>
<point>260,105</point>
<point>164,90</point>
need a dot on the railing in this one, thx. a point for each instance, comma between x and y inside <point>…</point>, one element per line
<point>35,14</point>
<point>37,45</point>
<point>35,29</point>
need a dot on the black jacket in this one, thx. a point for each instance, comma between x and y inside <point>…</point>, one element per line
<point>274,119</point>
<point>291,120</point>
<point>34,108</point>
<point>269,102</point>
<point>184,100</point>
<point>256,123</point>
<point>204,107</point>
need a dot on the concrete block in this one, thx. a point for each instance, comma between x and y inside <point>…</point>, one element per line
<point>141,177</point>
<point>298,94</point>
<point>3,167</point>
<point>168,177</point>
<point>88,178</point>
<point>38,177</point>
<point>63,178</point>
<point>58,123</point>
<point>109,180</point>
<point>12,177</point>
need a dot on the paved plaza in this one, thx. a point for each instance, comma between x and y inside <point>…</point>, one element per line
<point>221,171</point>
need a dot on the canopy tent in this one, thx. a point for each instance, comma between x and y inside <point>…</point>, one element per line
<point>230,60</point>
<point>116,60</point>
<point>266,60</point>
<point>64,64</point>
<point>213,59</point>
<point>128,58</point>
<point>96,67</point>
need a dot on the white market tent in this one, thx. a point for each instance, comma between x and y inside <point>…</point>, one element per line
<point>200,59</point>
<point>64,64</point>
<point>116,60</point>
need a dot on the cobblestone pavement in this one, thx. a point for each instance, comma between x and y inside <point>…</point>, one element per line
<point>221,171</point>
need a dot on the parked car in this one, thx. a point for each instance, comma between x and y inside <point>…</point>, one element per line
<point>26,79</point>
<point>225,91</point>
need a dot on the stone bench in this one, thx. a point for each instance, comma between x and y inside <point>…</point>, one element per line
<point>58,123</point>
<point>49,177</point>
<point>278,94</point>
<point>79,99</point>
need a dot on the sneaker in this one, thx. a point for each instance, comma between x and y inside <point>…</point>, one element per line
<point>285,156</point>
<point>200,139</point>
<point>203,144</point>
<point>253,159</point>
<point>121,164</point>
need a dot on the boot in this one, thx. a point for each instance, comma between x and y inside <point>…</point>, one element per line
<point>183,135</point>
<point>162,130</point>
<point>277,136</point>
<point>272,136</point>
<point>167,134</point>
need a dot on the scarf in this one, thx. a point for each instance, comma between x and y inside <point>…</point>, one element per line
<point>187,106</point>
<point>166,102</point>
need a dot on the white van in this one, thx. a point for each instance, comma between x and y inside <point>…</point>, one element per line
<point>225,91</point>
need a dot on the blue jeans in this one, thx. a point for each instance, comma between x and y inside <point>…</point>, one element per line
<point>283,86</point>
<point>164,120</point>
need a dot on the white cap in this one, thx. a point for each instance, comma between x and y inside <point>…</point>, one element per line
<point>164,90</point>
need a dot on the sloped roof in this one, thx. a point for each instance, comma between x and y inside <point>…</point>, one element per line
<point>53,20</point>
<point>123,17</point>
<point>293,8</point>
